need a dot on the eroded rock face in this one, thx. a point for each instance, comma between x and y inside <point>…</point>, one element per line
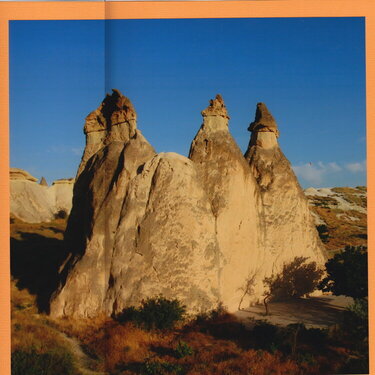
<point>165,242</point>
<point>289,229</point>
<point>35,202</point>
<point>20,174</point>
<point>234,199</point>
<point>99,194</point>
<point>197,229</point>
<point>114,120</point>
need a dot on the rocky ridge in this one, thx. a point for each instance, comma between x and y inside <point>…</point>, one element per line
<point>340,213</point>
<point>35,202</point>
<point>197,228</point>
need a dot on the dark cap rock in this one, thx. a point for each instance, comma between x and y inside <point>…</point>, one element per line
<point>264,121</point>
<point>115,109</point>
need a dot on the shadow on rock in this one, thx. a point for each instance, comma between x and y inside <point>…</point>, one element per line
<point>35,262</point>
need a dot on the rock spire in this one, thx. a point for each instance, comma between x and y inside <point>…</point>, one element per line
<point>114,120</point>
<point>289,229</point>
<point>43,182</point>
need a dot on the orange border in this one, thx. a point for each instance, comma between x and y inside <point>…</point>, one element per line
<point>172,9</point>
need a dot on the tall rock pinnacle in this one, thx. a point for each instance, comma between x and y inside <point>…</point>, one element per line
<point>232,193</point>
<point>115,153</point>
<point>289,229</point>
<point>114,120</point>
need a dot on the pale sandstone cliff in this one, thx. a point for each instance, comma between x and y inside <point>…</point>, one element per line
<point>195,229</point>
<point>35,202</point>
<point>234,198</point>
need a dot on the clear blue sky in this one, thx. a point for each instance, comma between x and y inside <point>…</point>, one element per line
<point>309,71</point>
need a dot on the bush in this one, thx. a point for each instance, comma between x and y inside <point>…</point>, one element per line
<point>266,335</point>
<point>161,368</point>
<point>355,366</point>
<point>155,313</point>
<point>354,324</point>
<point>30,362</point>
<point>183,350</point>
<point>213,315</point>
<point>347,273</point>
<point>296,279</point>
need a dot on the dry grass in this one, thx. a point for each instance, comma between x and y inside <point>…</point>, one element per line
<point>22,299</point>
<point>54,229</point>
<point>220,343</point>
<point>113,342</point>
<point>345,228</point>
<point>342,231</point>
<point>348,190</point>
<point>30,329</point>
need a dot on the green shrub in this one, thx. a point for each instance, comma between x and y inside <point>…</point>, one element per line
<point>356,366</point>
<point>306,358</point>
<point>161,368</point>
<point>183,350</point>
<point>316,337</point>
<point>155,313</point>
<point>213,315</point>
<point>53,362</point>
<point>347,273</point>
<point>354,324</point>
<point>265,336</point>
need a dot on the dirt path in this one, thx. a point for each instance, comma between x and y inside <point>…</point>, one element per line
<point>84,362</point>
<point>319,312</point>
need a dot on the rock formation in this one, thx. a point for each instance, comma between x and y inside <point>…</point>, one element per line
<point>234,199</point>
<point>196,229</point>
<point>114,120</point>
<point>111,159</point>
<point>35,203</point>
<point>43,182</point>
<point>289,228</point>
<point>20,174</point>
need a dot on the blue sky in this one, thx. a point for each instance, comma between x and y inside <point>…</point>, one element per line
<point>309,71</point>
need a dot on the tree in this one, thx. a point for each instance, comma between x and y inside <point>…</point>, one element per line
<point>247,289</point>
<point>296,279</point>
<point>347,273</point>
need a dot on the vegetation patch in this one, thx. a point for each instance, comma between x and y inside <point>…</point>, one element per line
<point>155,313</point>
<point>52,362</point>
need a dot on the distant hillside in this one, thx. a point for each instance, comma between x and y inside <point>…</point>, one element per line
<point>343,212</point>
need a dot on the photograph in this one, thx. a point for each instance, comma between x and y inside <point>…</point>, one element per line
<point>188,196</point>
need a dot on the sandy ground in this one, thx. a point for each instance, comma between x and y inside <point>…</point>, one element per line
<point>320,312</point>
